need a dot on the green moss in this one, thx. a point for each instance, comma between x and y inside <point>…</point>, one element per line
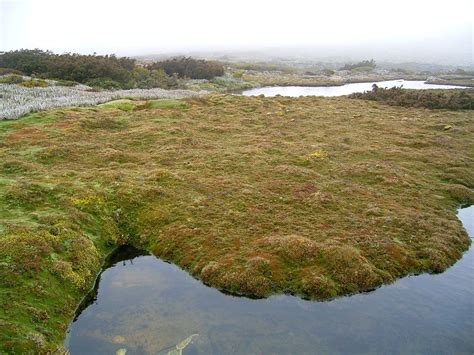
<point>166,103</point>
<point>124,105</point>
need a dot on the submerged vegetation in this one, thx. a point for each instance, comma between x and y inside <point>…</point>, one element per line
<point>253,195</point>
<point>433,99</point>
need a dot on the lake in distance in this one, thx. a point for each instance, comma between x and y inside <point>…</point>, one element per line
<point>295,91</point>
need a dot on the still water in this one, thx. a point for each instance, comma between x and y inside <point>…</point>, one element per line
<point>146,306</point>
<point>347,89</point>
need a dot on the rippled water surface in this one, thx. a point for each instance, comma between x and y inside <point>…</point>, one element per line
<point>347,89</point>
<point>147,306</point>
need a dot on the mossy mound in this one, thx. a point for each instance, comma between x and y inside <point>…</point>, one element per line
<point>123,104</point>
<point>166,103</point>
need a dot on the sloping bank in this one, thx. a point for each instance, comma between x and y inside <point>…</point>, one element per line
<point>318,197</point>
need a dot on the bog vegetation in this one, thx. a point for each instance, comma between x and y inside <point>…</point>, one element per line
<point>106,71</point>
<point>433,99</point>
<point>252,195</point>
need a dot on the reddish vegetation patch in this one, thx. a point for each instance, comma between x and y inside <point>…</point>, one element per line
<point>33,135</point>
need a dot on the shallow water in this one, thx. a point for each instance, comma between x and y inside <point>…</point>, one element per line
<point>347,89</point>
<point>146,305</point>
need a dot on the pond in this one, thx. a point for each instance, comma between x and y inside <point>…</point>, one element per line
<point>144,305</point>
<point>346,89</point>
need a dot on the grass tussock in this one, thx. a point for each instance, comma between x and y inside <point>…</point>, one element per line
<point>252,195</point>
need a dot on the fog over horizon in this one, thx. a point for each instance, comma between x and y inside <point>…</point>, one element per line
<point>438,32</point>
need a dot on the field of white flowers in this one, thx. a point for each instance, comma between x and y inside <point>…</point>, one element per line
<point>15,100</point>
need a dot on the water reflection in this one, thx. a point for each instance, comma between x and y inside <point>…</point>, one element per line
<point>147,306</point>
<point>347,89</point>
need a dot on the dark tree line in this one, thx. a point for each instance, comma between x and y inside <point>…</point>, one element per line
<point>68,66</point>
<point>186,67</point>
<point>108,71</point>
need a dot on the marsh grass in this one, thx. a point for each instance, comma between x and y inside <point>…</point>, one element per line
<point>313,196</point>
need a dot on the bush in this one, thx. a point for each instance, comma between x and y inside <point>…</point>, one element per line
<point>108,72</point>
<point>238,74</point>
<point>435,99</point>
<point>66,83</point>
<point>264,67</point>
<point>365,69</point>
<point>34,83</point>
<point>144,78</point>
<point>328,72</point>
<point>190,67</point>
<point>68,66</point>
<point>104,83</point>
<point>366,64</point>
<point>5,71</point>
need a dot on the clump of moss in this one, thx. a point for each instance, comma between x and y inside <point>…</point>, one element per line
<point>295,247</point>
<point>252,279</point>
<point>350,269</point>
<point>81,265</point>
<point>28,196</point>
<point>461,193</point>
<point>318,286</point>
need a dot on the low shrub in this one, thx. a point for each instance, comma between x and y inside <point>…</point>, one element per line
<point>238,74</point>
<point>34,83</point>
<point>190,68</point>
<point>66,83</point>
<point>328,72</point>
<point>432,99</point>
<point>11,79</point>
<point>104,83</point>
<point>367,64</point>
<point>5,71</point>
<point>107,72</point>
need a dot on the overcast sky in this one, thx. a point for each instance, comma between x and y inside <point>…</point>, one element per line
<point>431,30</point>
